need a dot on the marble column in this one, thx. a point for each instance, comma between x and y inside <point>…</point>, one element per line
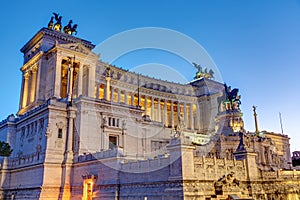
<point>165,120</point>
<point>112,91</point>
<point>184,114</point>
<point>146,105</point>
<point>178,112</point>
<point>91,80</point>
<point>199,123</point>
<point>119,95</point>
<point>107,90</point>
<point>79,87</point>
<point>172,114</point>
<point>152,109</point>
<point>70,81</point>
<point>191,117</point>
<point>38,94</point>
<point>25,90</point>
<point>97,90</point>
<point>33,85</point>
<point>139,99</point>
<point>57,76</point>
<point>132,98</point>
<point>158,110</point>
<point>125,97</point>
<point>29,87</point>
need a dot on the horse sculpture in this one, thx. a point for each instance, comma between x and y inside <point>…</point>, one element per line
<point>50,24</point>
<point>230,96</point>
<point>69,29</point>
<point>203,72</point>
<point>57,25</point>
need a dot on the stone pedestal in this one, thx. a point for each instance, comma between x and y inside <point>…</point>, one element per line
<point>251,167</point>
<point>181,159</point>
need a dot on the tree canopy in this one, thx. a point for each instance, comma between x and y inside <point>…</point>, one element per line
<point>5,149</point>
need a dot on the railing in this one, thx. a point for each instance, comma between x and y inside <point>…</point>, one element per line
<point>213,168</point>
<point>25,160</point>
<point>116,152</point>
<point>280,174</point>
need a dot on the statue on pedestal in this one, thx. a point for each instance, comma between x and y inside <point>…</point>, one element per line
<point>230,100</point>
<point>203,73</point>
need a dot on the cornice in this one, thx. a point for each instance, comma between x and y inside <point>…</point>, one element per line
<point>61,37</point>
<point>32,61</point>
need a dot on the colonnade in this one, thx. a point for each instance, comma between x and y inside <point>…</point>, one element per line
<point>160,109</point>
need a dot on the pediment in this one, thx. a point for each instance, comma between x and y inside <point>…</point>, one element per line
<point>78,47</point>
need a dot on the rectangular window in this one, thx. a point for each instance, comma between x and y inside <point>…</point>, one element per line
<point>59,135</point>
<point>113,142</point>
<point>109,121</point>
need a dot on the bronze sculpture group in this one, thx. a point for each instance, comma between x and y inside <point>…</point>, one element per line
<point>68,29</point>
<point>231,97</point>
<point>203,73</point>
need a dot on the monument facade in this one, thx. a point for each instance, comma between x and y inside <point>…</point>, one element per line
<point>88,130</point>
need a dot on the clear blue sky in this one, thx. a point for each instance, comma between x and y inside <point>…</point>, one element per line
<point>255,44</point>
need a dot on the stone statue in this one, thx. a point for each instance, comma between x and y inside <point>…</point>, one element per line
<point>181,124</point>
<point>57,25</point>
<point>226,182</point>
<point>107,72</point>
<point>245,142</point>
<point>104,122</point>
<point>50,24</point>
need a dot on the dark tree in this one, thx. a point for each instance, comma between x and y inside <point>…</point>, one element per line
<point>296,162</point>
<point>5,149</point>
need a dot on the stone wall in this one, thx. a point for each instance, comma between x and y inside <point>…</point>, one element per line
<point>213,169</point>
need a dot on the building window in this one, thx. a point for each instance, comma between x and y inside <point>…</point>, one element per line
<point>59,135</point>
<point>114,122</point>
<point>109,121</point>
<point>113,141</point>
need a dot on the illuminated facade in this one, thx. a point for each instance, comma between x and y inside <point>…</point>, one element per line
<point>88,130</point>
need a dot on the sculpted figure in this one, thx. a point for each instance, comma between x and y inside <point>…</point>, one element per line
<point>181,124</point>
<point>69,29</point>
<point>50,24</point>
<point>57,25</point>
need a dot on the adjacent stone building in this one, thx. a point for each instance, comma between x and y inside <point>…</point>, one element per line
<point>88,130</point>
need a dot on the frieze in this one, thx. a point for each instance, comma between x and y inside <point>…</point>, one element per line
<point>78,47</point>
<point>66,38</point>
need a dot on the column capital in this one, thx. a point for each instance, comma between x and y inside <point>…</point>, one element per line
<point>34,69</point>
<point>26,75</point>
